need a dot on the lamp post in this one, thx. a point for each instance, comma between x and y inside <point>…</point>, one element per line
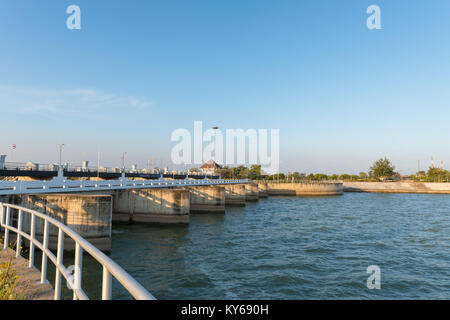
<point>60,155</point>
<point>123,161</point>
<point>98,165</point>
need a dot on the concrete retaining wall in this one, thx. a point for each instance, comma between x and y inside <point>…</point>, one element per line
<point>397,187</point>
<point>235,195</point>
<point>167,206</point>
<point>263,190</point>
<point>305,189</point>
<point>251,192</point>
<point>207,199</point>
<point>88,215</point>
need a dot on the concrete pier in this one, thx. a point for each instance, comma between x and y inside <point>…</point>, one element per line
<point>305,189</point>
<point>88,215</point>
<point>162,206</point>
<point>263,190</point>
<point>235,195</point>
<point>207,199</point>
<point>251,192</point>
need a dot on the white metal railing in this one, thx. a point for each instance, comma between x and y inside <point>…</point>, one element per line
<point>62,185</point>
<point>31,166</point>
<point>110,268</point>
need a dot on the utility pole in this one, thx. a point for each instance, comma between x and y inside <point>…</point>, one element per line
<point>60,155</point>
<point>98,165</point>
<point>123,161</point>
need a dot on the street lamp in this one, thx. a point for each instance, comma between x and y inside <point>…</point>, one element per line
<point>215,138</point>
<point>123,161</point>
<point>60,155</point>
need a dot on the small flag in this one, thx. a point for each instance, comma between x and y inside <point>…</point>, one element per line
<point>14,147</point>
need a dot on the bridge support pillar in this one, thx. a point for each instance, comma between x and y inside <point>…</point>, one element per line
<point>207,199</point>
<point>263,190</point>
<point>251,192</point>
<point>88,215</point>
<point>235,195</point>
<point>162,206</point>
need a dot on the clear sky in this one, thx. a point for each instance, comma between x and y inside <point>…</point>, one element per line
<point>342,95</point>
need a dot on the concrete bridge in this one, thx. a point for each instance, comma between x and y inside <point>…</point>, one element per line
<point>40,212</point>
<point>86,209</point>
<point>90,207</point>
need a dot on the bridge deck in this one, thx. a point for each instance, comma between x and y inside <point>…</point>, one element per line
<point>62,185</point>
<point>43,174</point>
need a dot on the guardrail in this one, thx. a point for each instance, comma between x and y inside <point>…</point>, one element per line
<point>31,166</point>
<point>61,185</point>
<point>298,181</point>
<point>110,268</point>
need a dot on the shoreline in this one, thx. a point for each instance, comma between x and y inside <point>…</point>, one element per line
<point>398,187</point>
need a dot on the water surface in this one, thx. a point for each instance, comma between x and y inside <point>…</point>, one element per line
<point>296,248</point>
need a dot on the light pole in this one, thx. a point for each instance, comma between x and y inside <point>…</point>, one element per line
<point>60,155</point>
<point>215,138</point>
<point>123,161</point>
<point>98,165</point>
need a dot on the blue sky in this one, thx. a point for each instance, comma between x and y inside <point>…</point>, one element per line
<point>341,95</point>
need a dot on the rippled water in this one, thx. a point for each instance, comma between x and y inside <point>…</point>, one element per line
<point>292,248</point>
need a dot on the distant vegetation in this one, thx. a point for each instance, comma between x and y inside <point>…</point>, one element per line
<point>381,170</point>
<point>432,175</point>
<point>255,173</point>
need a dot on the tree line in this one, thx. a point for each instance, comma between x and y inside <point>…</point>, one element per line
<point>381,170</point>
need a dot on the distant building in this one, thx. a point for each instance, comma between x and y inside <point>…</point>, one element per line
<point>210,167</point>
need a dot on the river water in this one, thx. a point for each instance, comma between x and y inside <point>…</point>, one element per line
<point>293,248</point>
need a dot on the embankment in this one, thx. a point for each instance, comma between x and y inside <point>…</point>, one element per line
<point>397,187</point>
<point>304,189</point>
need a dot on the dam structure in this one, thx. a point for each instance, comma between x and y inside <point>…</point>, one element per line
<point>76,213</point>
<point>90,206</point>
<point>67,215</point>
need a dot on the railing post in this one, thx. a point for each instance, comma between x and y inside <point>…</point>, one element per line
<point>32,236</point>
<point>2,212</point>
<point>44,255</point>
<point>78,269</point>
<point>59,262</point>
<point>106,285</point>
<point>19,236</point>
<point>6,239</point>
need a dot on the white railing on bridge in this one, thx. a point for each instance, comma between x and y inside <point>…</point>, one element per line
<point>110,268</point>
<point>62,185</point>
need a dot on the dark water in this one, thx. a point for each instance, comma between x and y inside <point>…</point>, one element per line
<point>294,248</point>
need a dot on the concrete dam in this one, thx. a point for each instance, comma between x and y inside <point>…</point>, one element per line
<point>91,214</point>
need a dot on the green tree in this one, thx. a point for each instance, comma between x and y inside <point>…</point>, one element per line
<point>438,174</point>
<point>255,172</point>
<point>363,176</point>
<point>382,168</point>
<point>299,176</point>
<point>334,177</point>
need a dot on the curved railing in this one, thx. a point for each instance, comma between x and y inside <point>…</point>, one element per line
<point>110,268</point>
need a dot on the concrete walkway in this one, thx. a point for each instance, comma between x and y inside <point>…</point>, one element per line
<point>29,279</point>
